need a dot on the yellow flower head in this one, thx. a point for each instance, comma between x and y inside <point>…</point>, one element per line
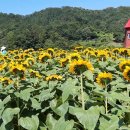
<point>121,59</point>
<point>3,64</point>
<point>124,52</point>
<point>28,62</point>
<point>126,73</point>
<point>15,52</point>
<point>53,77</point>
<point>90,48</point>
<point>30,50</point>
<point>102,55</point>
<point>5,80</point>
<point>96,53</point>
<point>79,48</point>
<point>64,62</point>
<point>16,57</point>
<point>86,51</point>
<point>91,54</point>
<point>114,57</point>
<point>18,69</point>
<point>2,60</point>
<point>123,64</point>
<point>50,51</point>
<point>35,73</point>
<point>104,78</point>
<point>74,56</point>
<point>44,56</point>
<point>25,55</point>
<point>40,49</point>
<point>80,66</point>
<point>62,54</point>
<point>116,50</point>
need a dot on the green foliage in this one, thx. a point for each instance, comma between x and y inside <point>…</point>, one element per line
<point>62,27</point>
<point>57,105</point>
<point>29,123</point>
<point>87,118</point>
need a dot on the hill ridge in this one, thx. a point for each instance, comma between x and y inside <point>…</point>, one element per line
<point>62,27</point>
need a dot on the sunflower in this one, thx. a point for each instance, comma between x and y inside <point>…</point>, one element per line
<point>80,66</point>
<point>44,57</point>
<point>30,50</point>
<point>91,54</point>
<point>5,80</point>
<point>50,51</point>
<point>90,48</point>
<point>26,55</point>
<point>64,62</point>
<point>113,57</point>
<point>25,64</point>
<point>8,59</point>
<point>123,64</point>
<point>104,78</point>
<point>2,60</point>
<point>12,63</point>
<point>28,62</point>
<point>124,52</point>
<point>121,59</point>
<point>35,73</point>
<point>15,51</point>
<point>96,53</point>
<point>116,51</point>
<point>126,73</point>
<point>16,57</point>
<point>20,50</point>
<point>10,52</point>
<point>107,49</point>
<point>26,51</point>
<point>40,49</point>
<point>102,55</point>
<point>79,48</point>
<point>62,54</point>
<point>74,56</point>
<point>86,51</point>
<point>53,77</point>
<point>18,69</point>
<point>3,65</point>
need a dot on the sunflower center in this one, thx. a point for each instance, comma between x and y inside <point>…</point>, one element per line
<point>128,73</point>
<point>45,58</point>
<point>80,69</point>
<point>62,55</point>
<point>50,52</point>
<point>124,66</point>
<point>102,58</point>
<point>74,58</point>
<point>105,81</point>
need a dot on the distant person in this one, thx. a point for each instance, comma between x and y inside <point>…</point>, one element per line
<point>3,50</point>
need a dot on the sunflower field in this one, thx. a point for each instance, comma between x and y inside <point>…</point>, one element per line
<point>53,89</point>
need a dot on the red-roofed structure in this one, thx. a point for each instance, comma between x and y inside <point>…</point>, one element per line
<point>127,34</point>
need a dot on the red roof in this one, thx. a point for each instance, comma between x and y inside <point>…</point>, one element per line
<point>127,24</point>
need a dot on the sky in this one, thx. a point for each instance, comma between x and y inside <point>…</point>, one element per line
<point>25,7</point>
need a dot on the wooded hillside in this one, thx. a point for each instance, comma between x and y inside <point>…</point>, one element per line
<point>63,27</point>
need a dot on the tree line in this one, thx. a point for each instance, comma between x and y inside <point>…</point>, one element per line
<point>63,27</point>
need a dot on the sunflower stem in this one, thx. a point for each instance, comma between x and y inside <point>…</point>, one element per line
<point>18,116</point>
<point>128,91</point>
<point>82,92</point>
<point>106,105</point>
<point>106,102</point>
